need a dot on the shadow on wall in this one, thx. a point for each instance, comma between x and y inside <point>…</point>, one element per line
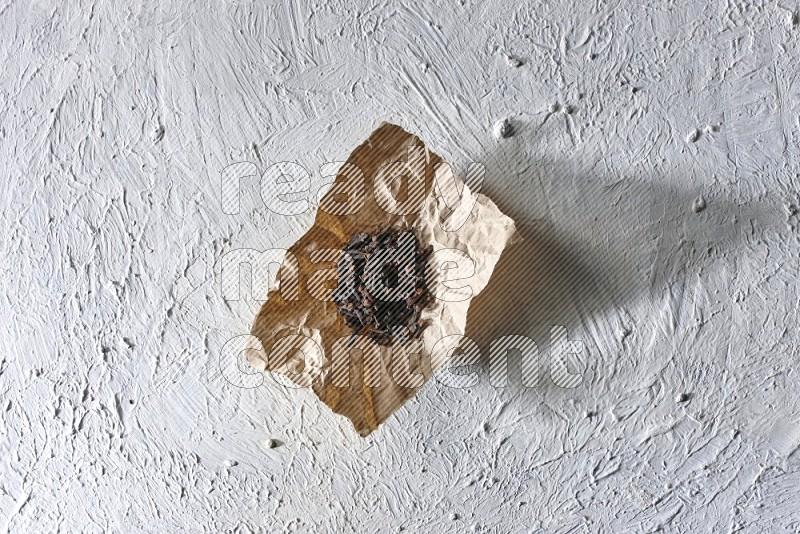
<point>594,245</point>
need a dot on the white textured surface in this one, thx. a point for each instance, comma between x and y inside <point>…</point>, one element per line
<point>116,120</point>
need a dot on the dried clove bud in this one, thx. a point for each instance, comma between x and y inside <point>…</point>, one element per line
<point>386,314</point>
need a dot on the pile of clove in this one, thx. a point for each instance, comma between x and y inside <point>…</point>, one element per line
<point>383,285</point>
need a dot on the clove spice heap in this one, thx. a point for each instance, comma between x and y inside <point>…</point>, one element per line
<point>382,286</point>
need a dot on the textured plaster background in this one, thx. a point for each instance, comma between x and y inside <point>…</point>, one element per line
<point>116,119</point>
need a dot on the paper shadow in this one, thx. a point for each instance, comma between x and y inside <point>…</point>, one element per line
<point>592,246</point>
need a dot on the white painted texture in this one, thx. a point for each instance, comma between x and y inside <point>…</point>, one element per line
<point>114,415</point>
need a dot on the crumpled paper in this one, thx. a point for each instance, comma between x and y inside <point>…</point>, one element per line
<point>392,180</point>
